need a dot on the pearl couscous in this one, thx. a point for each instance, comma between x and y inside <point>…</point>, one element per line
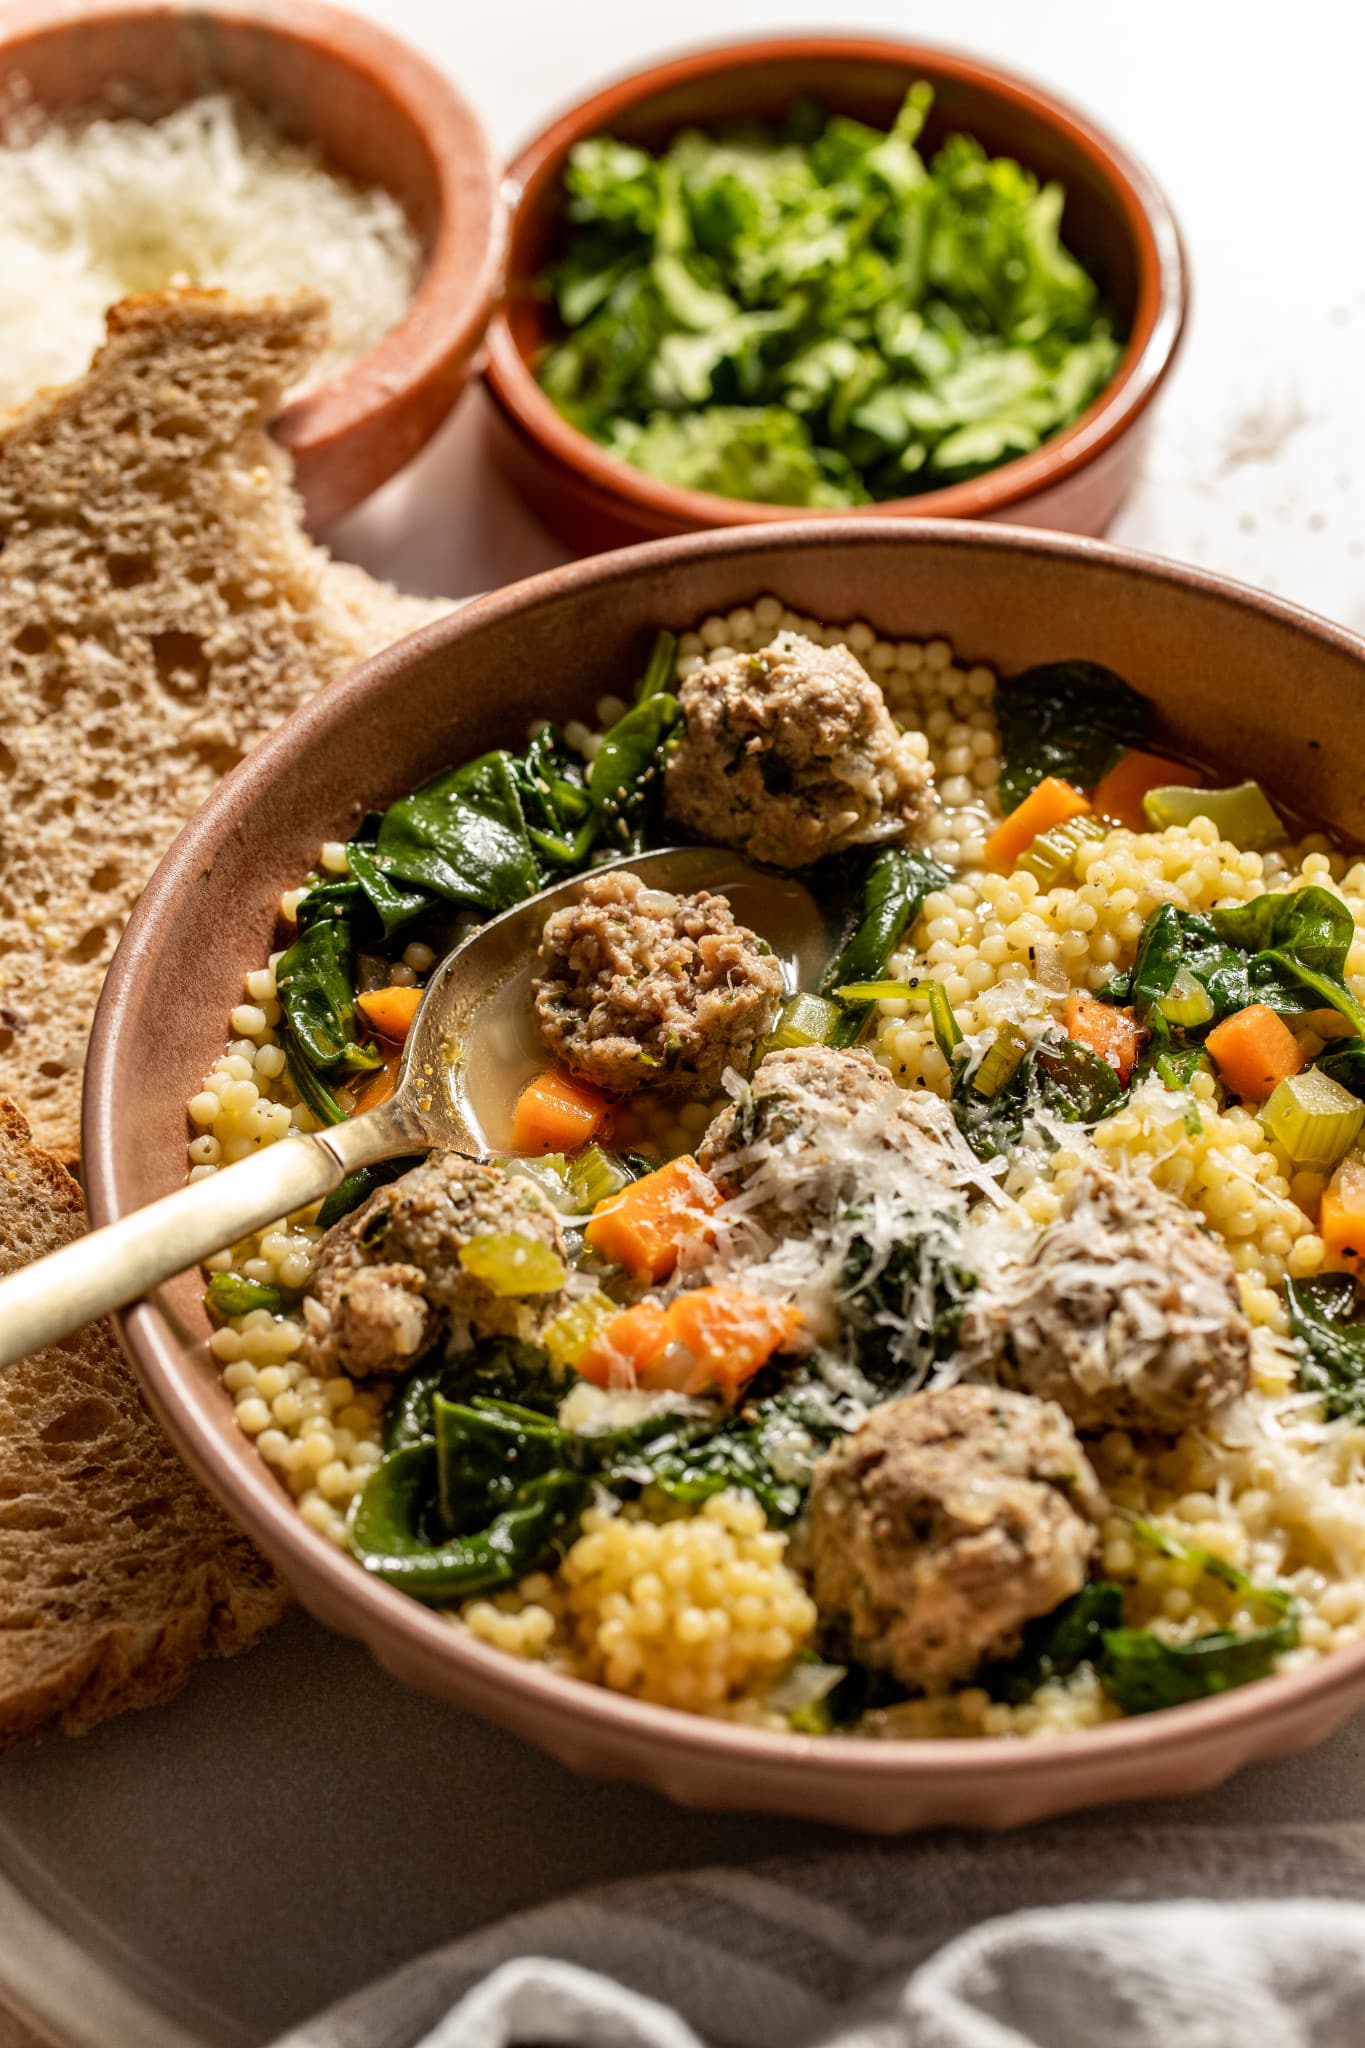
<point>1214,1483</point>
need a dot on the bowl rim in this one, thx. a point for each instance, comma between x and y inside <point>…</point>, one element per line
<point>416,351</point>
<point>384,1617</point>
<point>1157,328</point>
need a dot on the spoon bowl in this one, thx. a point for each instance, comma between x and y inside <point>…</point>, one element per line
<point>468,1050</point>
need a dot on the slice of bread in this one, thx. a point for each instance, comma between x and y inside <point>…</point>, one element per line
<point>117,1572</point>
<point>160,610</point>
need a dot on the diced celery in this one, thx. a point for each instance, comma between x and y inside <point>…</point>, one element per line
<point>510,1263</point>
<point>548,1171</point>
<point>1001,1061</point>
<point>1051,854</point>
<point>573,1329</point>
<point>1186,1002</point>
<point>1315,1119</point>
<point>947,1030</point>
<point>804,1020</point>
<point>594,1175</point>
<point>879,991</point>
<point>1243,814</point>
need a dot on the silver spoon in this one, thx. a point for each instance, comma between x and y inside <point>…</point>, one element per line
<point>470,1046</point>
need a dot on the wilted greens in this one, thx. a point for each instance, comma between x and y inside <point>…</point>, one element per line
<point>814,314</point>
<point>1071,719</point>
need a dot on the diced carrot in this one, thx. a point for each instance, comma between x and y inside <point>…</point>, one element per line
<point>1051,803</point>
<point>642,1227</point>
<point>730,1333</point>
<point>710,1340</point>
<point>1109,1032</point>
<point>555,1113</point>
<point>389,1011</point>
<point>620,1352</point>
<point>380,1085</point>
<point>1118,795</point>
<point>1254,1050</point>
<point>1341,1218</point>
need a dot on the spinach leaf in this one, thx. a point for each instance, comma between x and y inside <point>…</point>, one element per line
<point>313,1090</point>
<point>627,769</point>
<point>1142,1673</point>
<point>357,1187</point>
<point>1161,948</point>
<point>1327,1323</point>
<point>463,836</point>
<point>393,906</point>
<point>1066,718</point>
<point>390,1531</point>
<point>1344,1063</point>
<point>1298,942</point>
<point>1288,950</point>
<point>486,1451</point>
<point>894,888</point>
<point>1058,1643</point>
<point>315,986</point>
<point>740,1449</point>
<point>560,820</point>
<point>496,1368</point>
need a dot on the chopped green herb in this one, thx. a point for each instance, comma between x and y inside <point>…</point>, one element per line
<point>814,314</point>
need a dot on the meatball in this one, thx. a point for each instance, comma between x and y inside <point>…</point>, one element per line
<point>389,1282</point>
<point>820,1108</point>
<point>791,754</point>
<point>946,1521</point>
<point>1125,1313</point>
<point>645,989</point>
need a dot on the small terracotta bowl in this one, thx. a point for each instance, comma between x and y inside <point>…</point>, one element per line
<point>381,114</point>
<point>1238,678</point>
<point>1116,221</point>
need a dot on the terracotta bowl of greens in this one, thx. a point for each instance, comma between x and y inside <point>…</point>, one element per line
<point>899,1356</point>
<point>819,274</point>
<point>256,147</point>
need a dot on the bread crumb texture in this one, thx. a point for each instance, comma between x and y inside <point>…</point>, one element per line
<point>161,609</point>
<point>117,1573</point>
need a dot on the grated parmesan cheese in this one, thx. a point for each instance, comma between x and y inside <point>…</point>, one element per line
<point>211,195</point>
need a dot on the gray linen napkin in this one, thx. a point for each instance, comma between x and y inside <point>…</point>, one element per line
<point>1128,1937</point>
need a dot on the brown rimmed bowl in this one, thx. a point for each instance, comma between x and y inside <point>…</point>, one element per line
<point>381,114</point>
<point>1116,221</point>
<point>1236,677</point>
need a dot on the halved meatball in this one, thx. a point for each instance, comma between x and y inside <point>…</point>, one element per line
<point>644,989</point>
<point>389,1281</point>
<point>946,1521</point>
<point>1125,1312</point>
<point>791,754</point>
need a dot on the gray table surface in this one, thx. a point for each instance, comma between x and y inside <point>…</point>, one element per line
<point>296,1822</point>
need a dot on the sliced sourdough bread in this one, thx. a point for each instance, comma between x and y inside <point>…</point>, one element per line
<point>161,608</point>
<point>117,1572</point>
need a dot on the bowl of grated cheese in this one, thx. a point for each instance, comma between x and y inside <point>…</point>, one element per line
<point>255,147</point>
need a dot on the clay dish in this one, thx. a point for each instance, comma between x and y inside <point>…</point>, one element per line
<point>381,114</point>
<point>1237,677</point>
<point>1116,220</point>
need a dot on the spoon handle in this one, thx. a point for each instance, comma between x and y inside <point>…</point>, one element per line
<point>120,1263</point>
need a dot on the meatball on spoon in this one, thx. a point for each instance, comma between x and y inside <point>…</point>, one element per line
<point>470,1046</point>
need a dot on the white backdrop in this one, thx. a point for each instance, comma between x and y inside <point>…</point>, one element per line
<point>1249,113</point>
